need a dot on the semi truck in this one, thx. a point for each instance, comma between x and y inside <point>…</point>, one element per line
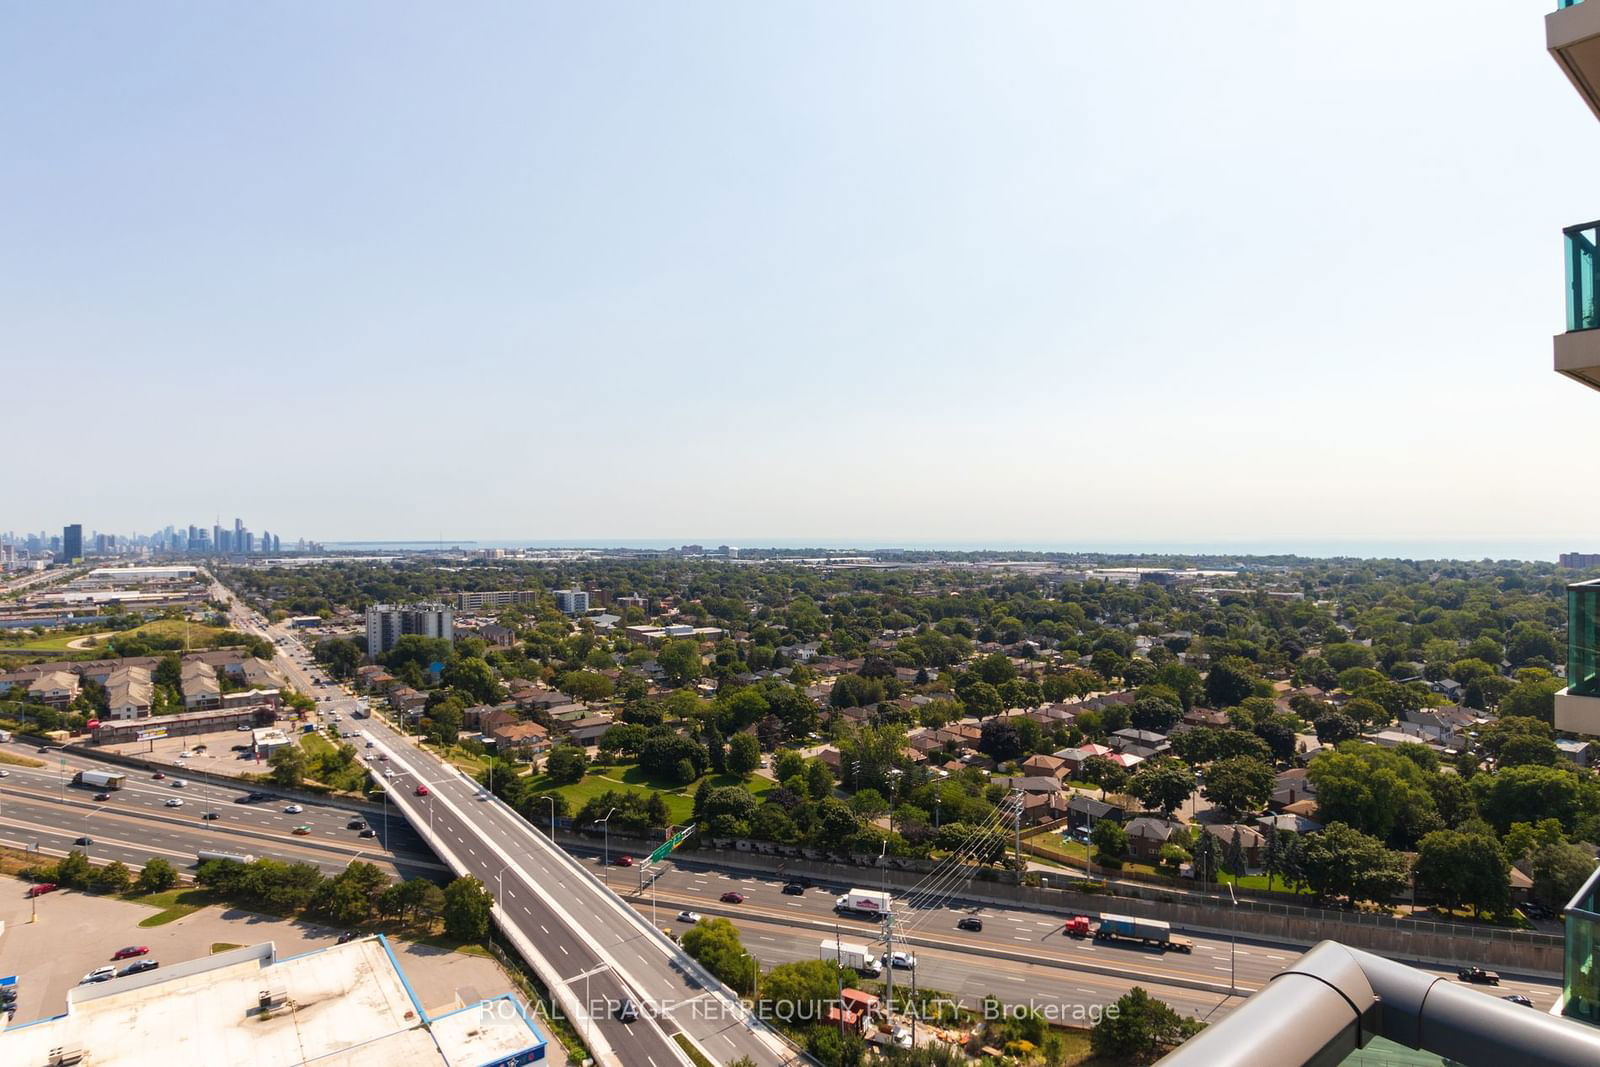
<point>863,902</point>
<point>1153,932</point>
<point>99,779</point>
<point>858,958</point>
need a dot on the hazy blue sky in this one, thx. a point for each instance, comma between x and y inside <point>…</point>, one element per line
<point>887,272</point>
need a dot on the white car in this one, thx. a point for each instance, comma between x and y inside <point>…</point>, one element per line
<point>903,960</point>
<point>483,794</point>
<point>179,783</point>
<point>174,802</point>
<point>688,916</point>
<point>293,809</point>
<point>99,974</point>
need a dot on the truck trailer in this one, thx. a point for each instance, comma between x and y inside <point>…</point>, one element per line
<point>99,779</point>
<point>863,902</point>
<point>858,958</point>
<point>1153,932</point>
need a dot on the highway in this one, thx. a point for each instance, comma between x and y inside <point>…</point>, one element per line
<point>587,945</point>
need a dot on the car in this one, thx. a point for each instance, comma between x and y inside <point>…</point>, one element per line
<point>41,889</point>
<point>421,791</point>
<point>158,776</point>
<point>293,809</point>
<point>970,922</point>
<point>731,897</point>
<point>44,748</point>
<point>84,840</point>
<point>242,729</point>
<point>683,916</point>
<point>102,796</point>
<point>383,758</point>
<point>1518,998</point>
<point>624,861</point>
<point>179,783</point>
<point>369,744</point>
<point>209,815</point>
<point>99,974</point>
<point>138,967</point>
<point>174,802</point>
<point>1478,976</point>
<point>793,889</point>
<point>368,832</point>
<point>301,831</point>
<point>348,936</point>
<point>388,774</point>
<point>627,1011</point>
<point>483,794</point>
<point>356,824</point>
<point>903,960</point>
<point>5,774</point>
<point>240,748</point>
<point>130,952</point>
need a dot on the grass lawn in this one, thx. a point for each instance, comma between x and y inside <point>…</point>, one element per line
<point>630,779</point>
<point>20,761</point>
<point>223,946</point>
<point>316,745</point>
<point>200,636</point>
<point>693,1053</point>
<point>47,643</point>
<point>174,904</point>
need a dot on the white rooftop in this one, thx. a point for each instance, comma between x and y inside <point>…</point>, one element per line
<point>348,1006</point>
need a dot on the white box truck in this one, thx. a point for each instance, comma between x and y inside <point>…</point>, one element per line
<point>863,902</point>
<point>858,958</point>
<point>99,779</point>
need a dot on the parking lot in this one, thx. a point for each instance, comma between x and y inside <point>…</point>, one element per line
<point>212,752</point>
<point>77,932</point>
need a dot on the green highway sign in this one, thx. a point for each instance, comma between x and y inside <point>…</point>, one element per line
<point>670,845</point>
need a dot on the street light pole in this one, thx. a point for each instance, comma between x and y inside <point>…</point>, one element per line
<point>605,823</point>
<point>552,801</point>
<point>1233,985</point>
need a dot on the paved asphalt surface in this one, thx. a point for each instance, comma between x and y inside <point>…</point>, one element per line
<point>582,934</point>
<point>591,942</point>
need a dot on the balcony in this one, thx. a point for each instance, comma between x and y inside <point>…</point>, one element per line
<point>1572,34</point>
<point>1577,352</point>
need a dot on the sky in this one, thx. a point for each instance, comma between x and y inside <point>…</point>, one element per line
<point>1056,273</point>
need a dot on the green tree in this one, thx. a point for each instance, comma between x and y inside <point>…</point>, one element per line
<point>475,678</point>
<point>1527,794</point>
<point>586,685</point>
<point>566,764</point>
<point>467,908</point>
<point>1110,777</point>
<point>156,876</point>
<point>680,662</point>
<point>113,878</point>
<point>1341,861</point>
<point>744,755</point>
<point>1558,871</point>
<point>1230,680</point>
<point>288,766</point>
<point>715,944</point>
<point>1464,868</point>
<point>1110,841</point>
<point>1140,1030</point>
<point>1163,784</point>
<point>1533,697</point>
<point>1239,784</point>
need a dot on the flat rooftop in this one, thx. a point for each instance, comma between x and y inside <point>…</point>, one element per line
<point>345,1006</point>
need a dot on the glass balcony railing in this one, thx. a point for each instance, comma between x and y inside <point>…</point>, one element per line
<point>1583,248</point>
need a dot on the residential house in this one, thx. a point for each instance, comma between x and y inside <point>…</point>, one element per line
<point>1147,741</point>
<point>1577,750</point>
<point>130,693</point>
<point>485,717</point>
<point>1030,784</point>
<point>497,635</point>
<point>1146,836</point>
<point>520,740</point>
<point>1050,766</point>
<point>56,688</point>
<point>1073,758</point>
<point>198,681</point>
<point>408,700</point>
<point>1039,808</point>
<point>1083,811</point>
<point>587,732</point>
<point>1285,823</point>
<point>1289,787</point>
<point>1205,717</point>
<point>1251,839</point>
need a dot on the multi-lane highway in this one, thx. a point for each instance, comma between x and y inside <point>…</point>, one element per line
<point>588,946</point>
<point>41,809</point>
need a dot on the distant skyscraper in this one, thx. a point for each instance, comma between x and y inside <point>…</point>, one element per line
<point>72,542</point>
<point>216,537</point>
<point>277,544</point>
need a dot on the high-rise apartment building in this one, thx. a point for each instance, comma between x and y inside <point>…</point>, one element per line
<point>72,542</point>
<point>1572,34</point>
<point>386,624</point>
<point>494,598</point>
<point>572,601</point>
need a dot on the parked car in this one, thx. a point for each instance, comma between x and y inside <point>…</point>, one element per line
<point>130,951</point>
<point>970,922</point>
<point>138,967</point>
<point>348,936</point>
<point>731,897</point>
<point>793,889</point>
<point>1478,976</point>
<point>683,916</point>
<point>41,889</point>
<point>99,974</point>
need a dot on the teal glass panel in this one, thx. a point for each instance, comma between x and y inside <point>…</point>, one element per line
<point>1580,980</point>
<point>1583,637</point>
<point>1582,312</point>
<point>1570,3</point>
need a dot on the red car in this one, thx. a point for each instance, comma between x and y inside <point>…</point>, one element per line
<point>422,790</point>
<point>41,889</point>
<point>624,861</point>
<point>130,952</point>
<point>158,776</point>
<point>733,898</point>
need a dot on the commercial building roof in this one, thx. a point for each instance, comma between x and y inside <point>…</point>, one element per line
<point>349,1005</point>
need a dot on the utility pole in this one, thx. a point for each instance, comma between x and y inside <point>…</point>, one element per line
<point>1020,868</point>
<point>838,974</point>
<point>888,935</point>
